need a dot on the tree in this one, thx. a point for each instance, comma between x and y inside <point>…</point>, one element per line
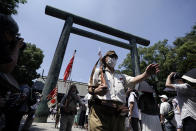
<point>8,7</point>
<point>29,61</point>
<point>185,48</point>
<point>179,57</point>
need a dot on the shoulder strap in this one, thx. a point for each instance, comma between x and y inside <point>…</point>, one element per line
<point>92,73</point>
<point>124,81</point>
<point>136,97</point>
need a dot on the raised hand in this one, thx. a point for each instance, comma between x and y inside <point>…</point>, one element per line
<point>152,69</point>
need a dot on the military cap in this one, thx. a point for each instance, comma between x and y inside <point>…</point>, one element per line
<point>109,53</point>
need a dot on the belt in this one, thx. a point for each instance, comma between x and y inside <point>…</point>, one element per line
<point>112,104</point>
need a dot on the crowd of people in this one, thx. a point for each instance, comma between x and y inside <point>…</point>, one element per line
<point>115,101</point>
<point>130,103</point>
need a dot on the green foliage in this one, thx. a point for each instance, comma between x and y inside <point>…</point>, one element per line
<point>29,61</point>
<point>186,51</point>
<point>180,57</point>
<point>126,66</point>
<point>8,7</point>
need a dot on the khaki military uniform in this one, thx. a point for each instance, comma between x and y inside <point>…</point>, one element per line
<point>103,117</point>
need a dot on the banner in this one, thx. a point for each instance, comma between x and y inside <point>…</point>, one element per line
<point>52,97</point>
<point>53,93</point>
<point>52,102</point>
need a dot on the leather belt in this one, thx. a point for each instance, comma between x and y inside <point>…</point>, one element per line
<point>112,107</point>
<point>112,104</point>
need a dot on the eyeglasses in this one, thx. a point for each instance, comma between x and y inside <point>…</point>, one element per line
<point>113,56</point>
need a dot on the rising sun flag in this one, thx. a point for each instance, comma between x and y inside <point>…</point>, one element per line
<point>69,67</point>
<point>52,97</point>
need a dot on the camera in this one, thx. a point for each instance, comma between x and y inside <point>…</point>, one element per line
<point>11,45</point>
<point>24,44</point>
<point>176,76</point>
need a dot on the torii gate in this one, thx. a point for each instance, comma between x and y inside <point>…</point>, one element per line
<point>42,111</point>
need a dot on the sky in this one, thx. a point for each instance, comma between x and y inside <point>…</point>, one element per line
<point>154,20</point>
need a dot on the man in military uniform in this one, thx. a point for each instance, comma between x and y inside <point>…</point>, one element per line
<point>107,111</point>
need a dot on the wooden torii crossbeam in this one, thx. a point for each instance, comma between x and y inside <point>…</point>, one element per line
<point>42,111</point>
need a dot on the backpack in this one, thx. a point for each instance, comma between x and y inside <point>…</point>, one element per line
<point>169,115</point>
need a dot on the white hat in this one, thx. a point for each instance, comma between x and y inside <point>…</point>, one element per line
<point>190,76</point>
<point>164,96</point>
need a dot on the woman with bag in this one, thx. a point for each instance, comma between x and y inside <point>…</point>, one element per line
<point>68,108</point>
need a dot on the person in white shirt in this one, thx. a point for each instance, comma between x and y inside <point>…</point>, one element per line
<point>106,113</point>
<point>86,98</point>
<point>133,111</point>
<point>177,115</point>
<point>165,107</point>
<point>186,94</point>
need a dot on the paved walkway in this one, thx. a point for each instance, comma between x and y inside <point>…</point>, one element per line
<point>49,126</point>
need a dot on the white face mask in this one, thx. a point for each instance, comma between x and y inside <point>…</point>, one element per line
<point>162,100</point>
<point>111,62</point>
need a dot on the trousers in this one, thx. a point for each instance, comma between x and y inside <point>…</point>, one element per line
<point>134,124</point>
<point>102,119</point>
<point>66,122</point>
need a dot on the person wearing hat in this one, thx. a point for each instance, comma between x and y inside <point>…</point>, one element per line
<point>163,98</point>
<point>107,112</point>
<point>165,108</point>
<point>186,95</point>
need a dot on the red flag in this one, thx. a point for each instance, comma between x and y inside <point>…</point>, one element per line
<point>52,97</point>
<point>52,102</point>
<point>69,67</point>
<point>53,93</point>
